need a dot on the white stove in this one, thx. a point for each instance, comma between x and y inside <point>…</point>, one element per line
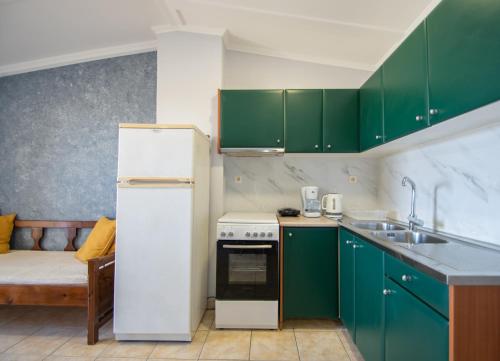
<point>247,271</point>
<point>248,226</point>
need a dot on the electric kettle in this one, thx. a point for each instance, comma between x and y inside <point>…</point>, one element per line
<point>332,205</point>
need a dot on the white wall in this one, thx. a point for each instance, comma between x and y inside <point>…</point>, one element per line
<point>249,71</point>
<point>190,68</point>
<point>270,183</point>
<point>458,184</point>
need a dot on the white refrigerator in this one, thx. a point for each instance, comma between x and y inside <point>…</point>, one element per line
<point>162,232</point>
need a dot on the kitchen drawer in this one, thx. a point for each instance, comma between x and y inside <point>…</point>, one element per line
<point>421,285</point>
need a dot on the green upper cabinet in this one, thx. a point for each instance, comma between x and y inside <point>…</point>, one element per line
<point>310,273</point>
<point>413,330</point>
<point>303,120</point>
<point>369,300</point>
<point>371,121</point>
<point>464,56</point>
<point>252,119</point>
<point>341,120</point>
<point>346,279</point>
<point>405,87</point>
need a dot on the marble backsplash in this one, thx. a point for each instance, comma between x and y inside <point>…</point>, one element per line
<point>458,184</point>
<point>274,182</point>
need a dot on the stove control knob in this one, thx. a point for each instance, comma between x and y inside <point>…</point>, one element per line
<point>230,234</point>
<point>262,234</point>
<point>269,234</point>
<point>223,234</point>
<point>255,234</point>
<point>247,234</point>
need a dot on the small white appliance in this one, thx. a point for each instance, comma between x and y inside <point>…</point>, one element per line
<point>162,232</point>
<point>332,205</point>
<point>311,206</point>
<point>247,286</point>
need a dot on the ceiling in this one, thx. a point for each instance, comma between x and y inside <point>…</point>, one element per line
<point>356,34</point>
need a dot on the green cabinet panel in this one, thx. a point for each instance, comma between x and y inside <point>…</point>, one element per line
<point>303,120</point>
<point>252,119</point>
<point>369,300</point>
<point>413,331</point>
<point>405,87</point>
<point>310,273</point>
<point>371,121</point>
<point>464,56</point>
<point>421,285</point>
<point>341,120</point>
<point>346,279</point>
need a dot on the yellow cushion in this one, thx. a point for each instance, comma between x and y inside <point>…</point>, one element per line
<point>113,248</point>
<point>99,240</point>
<point>6,227</point>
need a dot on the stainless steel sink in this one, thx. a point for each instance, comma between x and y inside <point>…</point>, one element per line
<point>377,226</point>
<point>410,237</point>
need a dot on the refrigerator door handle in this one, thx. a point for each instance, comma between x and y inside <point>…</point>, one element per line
<point>154,182</point>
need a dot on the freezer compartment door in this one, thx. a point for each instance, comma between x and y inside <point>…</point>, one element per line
<point>153,262</point>
<point>155,153</point>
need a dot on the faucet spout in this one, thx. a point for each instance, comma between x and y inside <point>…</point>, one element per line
<point>412,217</point>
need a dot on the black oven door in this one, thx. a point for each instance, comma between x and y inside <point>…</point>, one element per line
<point>247,270</point>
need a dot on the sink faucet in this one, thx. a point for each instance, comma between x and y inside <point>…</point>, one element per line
<point>412,218</point>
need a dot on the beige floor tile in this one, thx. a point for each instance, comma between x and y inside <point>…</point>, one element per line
<point>349,345</point>
<point>180,350</point>
<point>14,357</point>
<point>120,359</point>
<point>129,349</point>
<point>207,320</point>
<point>77,346</point>
<point>44,342</point>
<point>9,336</point>
<point>320,346</point>
<point>273,346</point>
<point>312,325</point>
<point>227,345</point>
<point>68,358</point>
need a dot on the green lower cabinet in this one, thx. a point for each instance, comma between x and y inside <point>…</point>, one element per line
<point>413,330</point>
<point>252,118</point>
<point>346,279</point>
<point>341,121</point>
<point>303,120</point>
<point>310,272</point>
<point>369,300</point>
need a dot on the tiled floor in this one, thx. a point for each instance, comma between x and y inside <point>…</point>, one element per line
<point>59,334</point>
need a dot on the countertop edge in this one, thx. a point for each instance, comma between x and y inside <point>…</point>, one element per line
<point>451,278</point>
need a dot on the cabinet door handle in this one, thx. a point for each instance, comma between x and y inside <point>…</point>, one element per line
<point>433,111</point>
<point>406,278</point>
<point>419,118</point>
<point>290,234</point>
<point>357,246</point>
<point>386,292</point>
<point>316,146</point>
<point>278,141</point>
<point>348,242</point>
<point>378,137</point>
<point>329,146</point>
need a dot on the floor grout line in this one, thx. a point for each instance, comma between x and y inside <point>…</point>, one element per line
<point>296,344</point>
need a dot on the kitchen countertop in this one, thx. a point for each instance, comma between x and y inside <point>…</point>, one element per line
<point>454,263</point>
<point>302,221</point>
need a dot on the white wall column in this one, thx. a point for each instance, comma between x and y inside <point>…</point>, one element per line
<point>190,70</point>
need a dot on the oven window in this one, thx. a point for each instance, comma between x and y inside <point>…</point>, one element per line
<point>247,269</point>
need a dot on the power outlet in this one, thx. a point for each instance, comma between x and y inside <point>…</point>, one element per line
<point>238,179</point>
<point>353,179</point>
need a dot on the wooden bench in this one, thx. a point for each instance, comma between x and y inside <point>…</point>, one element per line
<point>96,295</point>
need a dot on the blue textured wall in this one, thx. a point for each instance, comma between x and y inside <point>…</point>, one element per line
<point>59,136</point>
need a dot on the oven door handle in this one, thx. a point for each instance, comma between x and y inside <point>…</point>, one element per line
<point>257,246</point>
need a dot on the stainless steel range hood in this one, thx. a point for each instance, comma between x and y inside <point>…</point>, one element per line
<point>253,152</point>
